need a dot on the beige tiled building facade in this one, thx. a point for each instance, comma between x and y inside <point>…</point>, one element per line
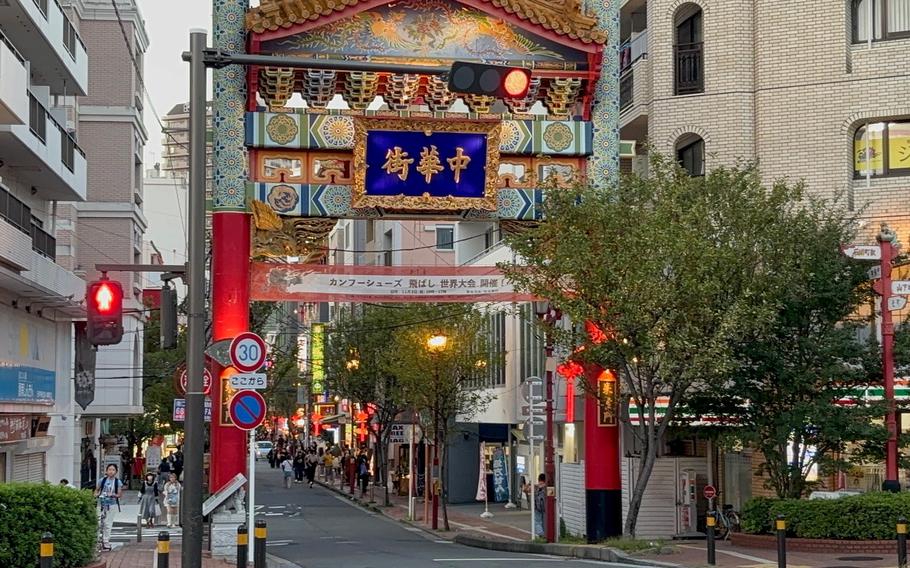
<point>789,84</point>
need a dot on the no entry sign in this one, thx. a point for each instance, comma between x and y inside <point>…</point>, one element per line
<point>710,492</point>
<point>247,409</point>
<point>247,352</point>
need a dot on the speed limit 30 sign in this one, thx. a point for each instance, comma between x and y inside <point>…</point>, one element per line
<point>247,352</point>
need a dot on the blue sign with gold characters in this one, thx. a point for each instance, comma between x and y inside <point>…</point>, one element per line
<point>425,164</point>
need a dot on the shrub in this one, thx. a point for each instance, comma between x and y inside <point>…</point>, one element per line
<point>29,510</point>
<point>871,516</point>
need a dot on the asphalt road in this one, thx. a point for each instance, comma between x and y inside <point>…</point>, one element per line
<point>315,528</point>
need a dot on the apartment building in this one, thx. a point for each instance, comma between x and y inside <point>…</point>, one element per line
<point>108,226</point>
<point>175,139</point>
<point>814,91</point>
<point>42,59</point>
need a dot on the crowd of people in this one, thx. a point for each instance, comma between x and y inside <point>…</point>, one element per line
<point>331,462</point>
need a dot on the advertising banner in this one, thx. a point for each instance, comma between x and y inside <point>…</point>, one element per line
<point>338,283</point>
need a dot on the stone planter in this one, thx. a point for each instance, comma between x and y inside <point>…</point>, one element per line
<point>818,545</point>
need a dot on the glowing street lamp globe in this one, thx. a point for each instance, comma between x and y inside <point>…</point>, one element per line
<point>437,342</point>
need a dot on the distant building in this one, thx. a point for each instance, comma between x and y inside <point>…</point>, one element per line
<point>175,139</point>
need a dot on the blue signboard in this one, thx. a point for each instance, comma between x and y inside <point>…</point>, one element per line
<point>27,384</point>
<point>425,164</point>
<point>180,410</point>
<point>500,477</point>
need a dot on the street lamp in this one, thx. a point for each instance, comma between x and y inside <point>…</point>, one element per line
<point>352,365</point>
<point>436,344</point>
<point>549,315</point>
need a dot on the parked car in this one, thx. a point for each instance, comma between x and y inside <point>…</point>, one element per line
<point>262,449</point>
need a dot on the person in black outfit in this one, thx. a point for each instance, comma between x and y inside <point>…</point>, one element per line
<point>299,466</point>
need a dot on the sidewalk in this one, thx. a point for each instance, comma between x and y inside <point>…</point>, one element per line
<point>693,553</point>
<point>140,555</point>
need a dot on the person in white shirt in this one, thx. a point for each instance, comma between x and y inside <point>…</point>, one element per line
<point>288,469</point>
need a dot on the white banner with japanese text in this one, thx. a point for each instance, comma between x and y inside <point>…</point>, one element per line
<point>337,283</point>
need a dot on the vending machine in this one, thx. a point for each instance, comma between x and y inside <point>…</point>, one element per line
<point>686,503</point>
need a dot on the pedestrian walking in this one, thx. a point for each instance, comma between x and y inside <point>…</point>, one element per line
<point>287,467</point>
<point>328,463</point>
<point>172,500</point>
<point>299,467</point>
<point>148,500</point>
<point>311,462</point>
<point>363,474</point>
<point>540,504</point>
<point>273,458</point>
<point>164,471</point>
<point>108,491</point>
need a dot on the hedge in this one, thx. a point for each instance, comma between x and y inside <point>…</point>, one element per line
<point>28,510</point>
<point>871,516</point>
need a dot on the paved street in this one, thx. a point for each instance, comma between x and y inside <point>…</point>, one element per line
<point>319,529</point>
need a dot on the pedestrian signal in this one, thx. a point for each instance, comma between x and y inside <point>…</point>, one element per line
<point>104,306</point>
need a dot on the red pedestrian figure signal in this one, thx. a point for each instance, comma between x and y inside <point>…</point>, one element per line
<point>104,307</point>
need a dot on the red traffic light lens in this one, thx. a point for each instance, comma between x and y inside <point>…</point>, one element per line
<point>516,83</point>
<point>104,298</point>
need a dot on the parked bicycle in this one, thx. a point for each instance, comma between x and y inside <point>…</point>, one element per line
<point>727,522</point>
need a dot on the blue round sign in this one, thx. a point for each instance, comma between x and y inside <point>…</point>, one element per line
<point>247,409</point>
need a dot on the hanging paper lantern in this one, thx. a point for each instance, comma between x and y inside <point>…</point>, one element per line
<point>595,334</point>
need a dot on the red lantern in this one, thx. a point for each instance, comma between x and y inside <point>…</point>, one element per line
<point>595,334</point>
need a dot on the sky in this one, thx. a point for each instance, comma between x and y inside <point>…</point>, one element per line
<point>168,24</point>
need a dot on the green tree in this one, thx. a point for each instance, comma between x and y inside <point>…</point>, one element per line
<point>671,268</point>
<point>442,378</point>
<point>360,366</point>
<point>784,391</point>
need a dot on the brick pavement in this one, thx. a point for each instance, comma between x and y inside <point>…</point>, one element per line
<point>142,554</point>
<point>693,553</point>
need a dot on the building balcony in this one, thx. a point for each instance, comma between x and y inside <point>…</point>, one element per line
<point>13,84</point>
<point>635,93</point>
<point>44,155</point>
<point>689,68</point>
<point>28,270</point>
<point>49,42</point>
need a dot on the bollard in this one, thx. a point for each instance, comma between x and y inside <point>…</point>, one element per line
<point>780,524</point>
<point>259,545</point>
<point>711,522</point>
<point>47,550</point>
<point>164,549</point>
<point>242,544</point>
<point>902,542</point>
<point>139,528</point>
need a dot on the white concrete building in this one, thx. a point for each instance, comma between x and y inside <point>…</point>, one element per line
<point>42,59</point>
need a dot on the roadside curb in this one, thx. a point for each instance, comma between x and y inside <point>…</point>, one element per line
<point>274,561</point>
<point>581,551</point>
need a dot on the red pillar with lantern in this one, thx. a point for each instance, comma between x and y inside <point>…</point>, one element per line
<point>603,481</point>
<point>230,316</point>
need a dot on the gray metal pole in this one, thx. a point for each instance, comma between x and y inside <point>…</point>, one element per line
<point>191,550</point>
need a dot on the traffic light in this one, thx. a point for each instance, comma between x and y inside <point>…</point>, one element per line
<point>168,318</point>
<point>492,80</point>
<point>104,304</point>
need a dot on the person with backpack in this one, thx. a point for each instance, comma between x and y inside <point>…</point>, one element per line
<point>287,468</point>
<point>109,491</point>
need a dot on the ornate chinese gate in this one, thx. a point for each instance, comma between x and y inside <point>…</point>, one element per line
<point>298,170</point>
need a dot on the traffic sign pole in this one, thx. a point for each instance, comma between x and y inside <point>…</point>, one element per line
<point>252,493</point>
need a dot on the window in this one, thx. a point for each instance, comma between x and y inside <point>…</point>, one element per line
<point>882,149</point>
<point>888,19</point>
<point>387,245</point>
<point>690,153</point>
<point>37,118</point>
<point>445,238</point>
<point>689,60</point>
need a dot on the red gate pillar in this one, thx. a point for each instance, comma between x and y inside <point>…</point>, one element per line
<point>230,316</point>
<point>603,483</point>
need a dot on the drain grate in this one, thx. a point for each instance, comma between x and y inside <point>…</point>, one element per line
<point>860,558</point>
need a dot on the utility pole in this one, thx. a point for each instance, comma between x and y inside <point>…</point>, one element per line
<point>892,481</point>
<point>191,550</point>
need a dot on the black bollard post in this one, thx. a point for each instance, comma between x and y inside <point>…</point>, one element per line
<point>164,549</point>
<point>902,542</point>
<point>47,550</point>
<point>711,522</point>
<point>242,546</point>
<point>781,525</point>
<point>259,544</point>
